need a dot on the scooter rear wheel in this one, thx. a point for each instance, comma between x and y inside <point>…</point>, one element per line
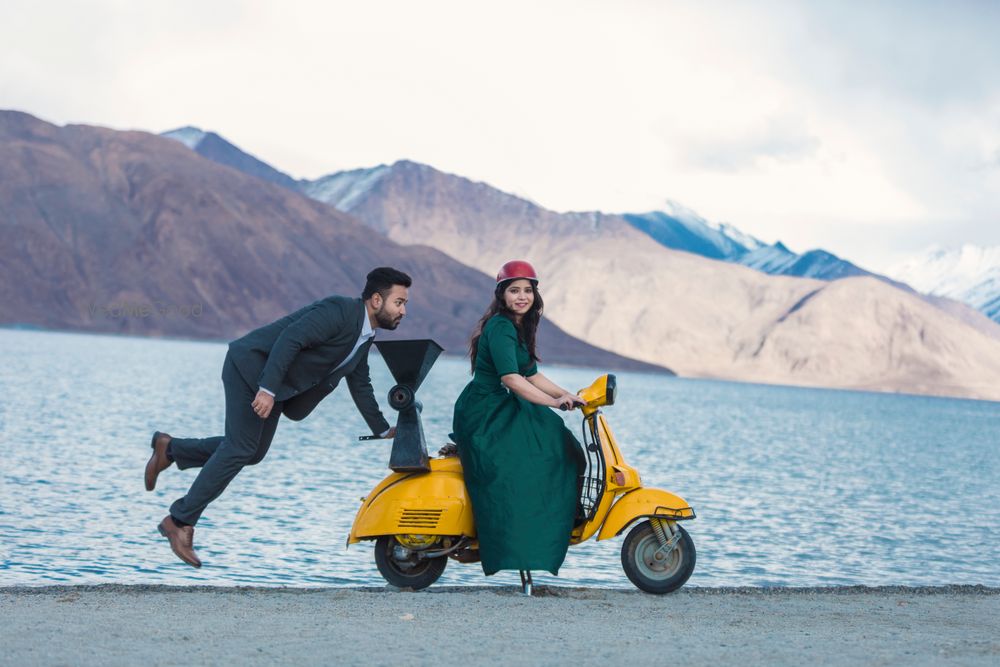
<point>407,571</point>
<point>648,568</point>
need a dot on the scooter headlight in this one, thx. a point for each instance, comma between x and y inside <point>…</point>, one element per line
<point>611,390</point>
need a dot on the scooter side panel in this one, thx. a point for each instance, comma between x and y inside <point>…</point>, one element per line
<point>643,503</point>
<point>434,503</point>
<point>587,530</point>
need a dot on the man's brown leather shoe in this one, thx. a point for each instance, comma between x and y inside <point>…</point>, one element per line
<point>181,540</point>
<point>158,462</point>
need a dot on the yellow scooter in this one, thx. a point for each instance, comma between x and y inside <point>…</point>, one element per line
<point>420,515</point>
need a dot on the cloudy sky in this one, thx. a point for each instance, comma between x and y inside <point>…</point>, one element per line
<point>869,129</point>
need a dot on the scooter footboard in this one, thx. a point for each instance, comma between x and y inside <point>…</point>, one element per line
<point>642,503</point>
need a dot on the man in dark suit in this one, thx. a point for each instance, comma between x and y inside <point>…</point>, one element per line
<point>286,367</point>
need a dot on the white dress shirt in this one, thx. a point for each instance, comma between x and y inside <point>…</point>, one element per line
<point>366,333</point>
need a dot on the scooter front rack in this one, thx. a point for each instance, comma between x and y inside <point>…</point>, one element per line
<point>593,479</point>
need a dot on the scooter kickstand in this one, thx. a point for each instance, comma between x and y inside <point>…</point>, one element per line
<point>526,582</point>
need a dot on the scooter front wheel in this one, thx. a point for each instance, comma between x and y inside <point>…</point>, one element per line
<point>653,568</point>
<point>403,568</point>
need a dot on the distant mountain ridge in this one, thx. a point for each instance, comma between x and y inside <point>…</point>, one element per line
<point>677,227</point>
<point>129,232</point>
<point>969,273</point>
<point>707,320</point>
<point>616,285</point>
<point>217,149</point>
<point>343,189</point>
<point>778,260</point>
<point>682,229</point>
<point>976,303</point>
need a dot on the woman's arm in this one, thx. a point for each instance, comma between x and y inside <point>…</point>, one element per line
<point>529,392</point>
<point>562,396</point>
<point>526,390</point>
<point>502,341</point>
<point>546,385</point>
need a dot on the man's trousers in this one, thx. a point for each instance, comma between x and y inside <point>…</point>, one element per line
<point>220,458</point>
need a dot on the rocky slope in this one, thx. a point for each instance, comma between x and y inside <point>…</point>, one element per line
<point>944,281</point>
<point>682,229</point>
<point>217,149</point>
<point>964,283</point>
<point>975,301</point>
<point>698,317</point>
<point>133,233</point>
<point>613,285</point>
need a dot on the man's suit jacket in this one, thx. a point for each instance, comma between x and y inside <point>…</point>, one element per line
<point>295,356</point>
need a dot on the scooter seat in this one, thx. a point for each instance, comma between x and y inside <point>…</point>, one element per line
<point>446,464</point>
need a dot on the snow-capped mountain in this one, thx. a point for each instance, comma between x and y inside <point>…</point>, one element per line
<point>189,136</point>
<point>675,227</point>
<point>960,281</point>
<point>344,188</point>
<point>780,261</point>
<point>681,228</point>
<point>217,149</point>
<point>970,274</point>
<point>775,259</point>
<point>710,318</point>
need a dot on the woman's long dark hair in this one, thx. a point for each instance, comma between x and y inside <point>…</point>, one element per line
<point>525,331</point>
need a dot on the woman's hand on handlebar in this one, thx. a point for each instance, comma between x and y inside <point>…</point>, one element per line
<point>569,402</point>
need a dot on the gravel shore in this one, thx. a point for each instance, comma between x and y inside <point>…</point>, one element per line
<point>160,625</point>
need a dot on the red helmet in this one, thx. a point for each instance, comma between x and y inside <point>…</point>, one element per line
<point>516,269</point>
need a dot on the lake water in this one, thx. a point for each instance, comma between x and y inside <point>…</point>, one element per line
<point>793,487</point>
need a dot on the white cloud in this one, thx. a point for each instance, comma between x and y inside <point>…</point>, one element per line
<point>859,127</point>
<point>730,150</point>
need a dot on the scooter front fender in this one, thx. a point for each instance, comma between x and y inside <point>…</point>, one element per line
<point>425,503</point>
<point>642,503</point>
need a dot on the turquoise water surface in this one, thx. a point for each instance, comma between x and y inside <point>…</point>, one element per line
<point>793,487</point>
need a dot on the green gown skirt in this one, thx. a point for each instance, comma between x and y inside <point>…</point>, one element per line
<point>521,467</point>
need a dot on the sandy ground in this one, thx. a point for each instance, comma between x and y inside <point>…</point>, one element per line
<point>129,625</point>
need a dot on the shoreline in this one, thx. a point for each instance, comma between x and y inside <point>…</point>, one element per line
<point>546,590</point>
<point>111,624</point>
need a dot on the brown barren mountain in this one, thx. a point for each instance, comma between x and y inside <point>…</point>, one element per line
<point>129,232</point>
<point>613,285</point>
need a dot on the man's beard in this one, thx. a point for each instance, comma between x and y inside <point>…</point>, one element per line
<point>385,320</point>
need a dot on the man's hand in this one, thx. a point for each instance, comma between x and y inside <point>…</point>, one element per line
<point>262,404</point>
<point>388,435</point>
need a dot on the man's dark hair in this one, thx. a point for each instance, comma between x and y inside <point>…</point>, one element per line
<point>382,279</point>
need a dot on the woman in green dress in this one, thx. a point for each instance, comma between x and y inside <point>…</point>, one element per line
<point>521,463</point>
